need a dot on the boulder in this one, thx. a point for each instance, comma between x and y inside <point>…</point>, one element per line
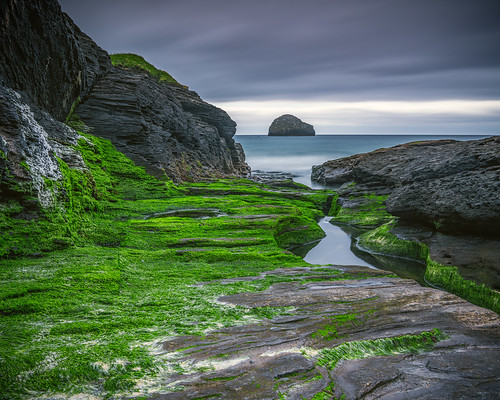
<point>289,125</point>
<point>453,186</point>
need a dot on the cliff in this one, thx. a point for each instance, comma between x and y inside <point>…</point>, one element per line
<point>451,185</point>
<point>49,68</point>
<point>163,126</point>
<point>290,125</point>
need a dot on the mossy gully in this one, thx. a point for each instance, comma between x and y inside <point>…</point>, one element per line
<point>90,285</point>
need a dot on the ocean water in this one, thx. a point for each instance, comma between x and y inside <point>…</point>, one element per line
<point>297,155</point>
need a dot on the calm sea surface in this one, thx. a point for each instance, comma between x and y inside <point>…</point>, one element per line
<point>298,154</point>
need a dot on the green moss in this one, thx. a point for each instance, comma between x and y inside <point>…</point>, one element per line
<point>72,109</point>
<point>330,331</point>
<point>25,165</point>
<point>424,341</point>
<point>127,60</point>
<point>380,240</point>
<point>335,207</point>
<point>111,271</point>
<point>327,393</point>
<point>448,278</point>
<point>370,212</point>
<point>292,231</point>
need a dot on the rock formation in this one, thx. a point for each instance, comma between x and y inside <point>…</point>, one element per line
<point>164,127</point>
<point>452,185</point>
<point>48,66</point>
<point>289,125</point>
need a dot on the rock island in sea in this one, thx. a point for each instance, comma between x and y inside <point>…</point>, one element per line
<point>290,125</point>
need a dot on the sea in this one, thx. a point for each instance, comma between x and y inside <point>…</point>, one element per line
<point>297,154</point>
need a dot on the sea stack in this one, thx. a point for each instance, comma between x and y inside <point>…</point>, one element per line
<point>290,125</point>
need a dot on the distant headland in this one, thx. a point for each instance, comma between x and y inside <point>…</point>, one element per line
<point>290,125</point>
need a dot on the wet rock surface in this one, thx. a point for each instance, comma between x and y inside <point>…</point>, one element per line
<point>279,356</point>
<point>290,125</point>
<point>477,258</point>
<point>453,186</point>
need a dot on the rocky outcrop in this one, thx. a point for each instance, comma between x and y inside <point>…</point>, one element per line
<point>289,125</point>
<point>164,127</point>
<point>48,66</point>
<point>451,185</point>
<point>46,56</point>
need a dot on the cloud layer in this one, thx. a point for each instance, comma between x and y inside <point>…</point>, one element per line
<point>317,50</point>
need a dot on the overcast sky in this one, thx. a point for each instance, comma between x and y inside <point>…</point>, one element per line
<point>345,66</point>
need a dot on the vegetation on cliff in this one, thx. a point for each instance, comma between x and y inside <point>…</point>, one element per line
<point>128,60</point>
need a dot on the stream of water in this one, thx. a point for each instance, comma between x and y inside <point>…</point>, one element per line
<point>339,247</point>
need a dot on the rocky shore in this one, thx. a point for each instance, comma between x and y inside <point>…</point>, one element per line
<point>118,282</point>
<point>453,186</point>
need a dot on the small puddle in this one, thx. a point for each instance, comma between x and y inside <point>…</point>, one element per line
<point>198,213</point>
<point>339,247</point>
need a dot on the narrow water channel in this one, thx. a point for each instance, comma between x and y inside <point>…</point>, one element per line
<point>339,247</point>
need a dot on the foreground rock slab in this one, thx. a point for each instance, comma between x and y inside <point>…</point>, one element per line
<point>278,357</point>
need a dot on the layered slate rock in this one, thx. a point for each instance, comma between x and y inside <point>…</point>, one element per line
<point>279,356</point>
<point>453,186</point>
<point>46,56</point>
<point>164,127</point>
<point>290,125</point>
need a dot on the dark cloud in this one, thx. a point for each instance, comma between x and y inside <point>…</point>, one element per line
<point>229,49</point>
<point>287,49</point>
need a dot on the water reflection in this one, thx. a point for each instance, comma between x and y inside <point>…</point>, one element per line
<point>339,247</point>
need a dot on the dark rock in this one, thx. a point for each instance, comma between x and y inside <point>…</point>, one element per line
<point>46,64</point>
<point>45,55</point>
<point>164,127</point>
<point>289,125</point>
<point>453,186</point>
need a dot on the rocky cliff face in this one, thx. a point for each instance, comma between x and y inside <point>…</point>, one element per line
<point>454,186</point>
<point>48,66</point>
<point>164,127</point>
<point>290,125</point>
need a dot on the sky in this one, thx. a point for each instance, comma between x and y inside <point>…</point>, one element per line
<point>345,66</point>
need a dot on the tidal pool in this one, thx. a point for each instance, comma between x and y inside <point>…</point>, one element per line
<point>339,247</point>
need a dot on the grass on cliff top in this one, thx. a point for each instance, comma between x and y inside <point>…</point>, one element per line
<point>128,60</point>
